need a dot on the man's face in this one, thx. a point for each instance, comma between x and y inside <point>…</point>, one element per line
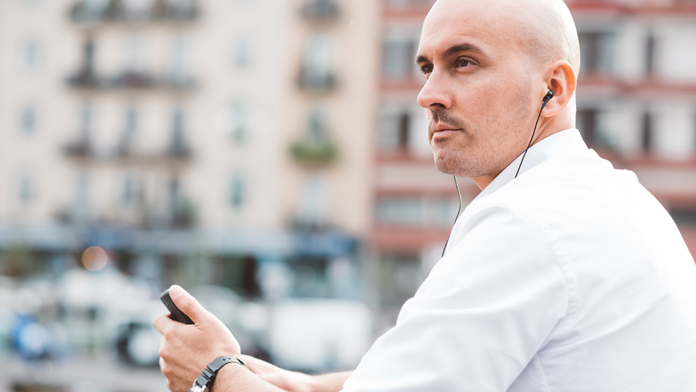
<point>477,97</point>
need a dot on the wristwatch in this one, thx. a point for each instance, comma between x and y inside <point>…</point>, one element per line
<point>204,382</point>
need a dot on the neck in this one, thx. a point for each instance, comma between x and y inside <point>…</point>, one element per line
<point>546,128</point>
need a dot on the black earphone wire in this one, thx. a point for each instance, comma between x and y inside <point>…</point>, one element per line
<point>548,97</point>
<point>456,217</point>
<point>546,100</point>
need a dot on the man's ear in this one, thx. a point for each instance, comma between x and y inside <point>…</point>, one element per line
<point>561,80</point>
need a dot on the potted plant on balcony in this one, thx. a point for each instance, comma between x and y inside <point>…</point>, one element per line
<point>315,147</point>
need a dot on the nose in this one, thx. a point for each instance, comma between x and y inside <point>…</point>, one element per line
<point>435,93</point>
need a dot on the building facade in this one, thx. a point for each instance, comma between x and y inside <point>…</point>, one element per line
<point>197,141</point>
<point>637,95</point>
<point>636,106</point>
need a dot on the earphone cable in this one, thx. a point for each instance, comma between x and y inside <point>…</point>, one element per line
<point>533,132</point>
<point>459,195</point>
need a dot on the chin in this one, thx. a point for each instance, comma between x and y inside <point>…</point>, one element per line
<point>446,166</point>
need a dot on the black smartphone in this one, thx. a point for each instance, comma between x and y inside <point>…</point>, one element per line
<point>177,314</point>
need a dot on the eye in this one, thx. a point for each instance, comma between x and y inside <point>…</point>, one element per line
<point>426,69</point>
<point>464,63</point>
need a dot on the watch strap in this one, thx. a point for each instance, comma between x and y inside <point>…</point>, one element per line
<point>207,377</point>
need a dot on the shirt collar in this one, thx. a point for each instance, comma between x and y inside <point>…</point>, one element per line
<point>557,144</point>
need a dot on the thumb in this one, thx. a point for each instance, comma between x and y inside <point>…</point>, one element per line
<point>188,304</point>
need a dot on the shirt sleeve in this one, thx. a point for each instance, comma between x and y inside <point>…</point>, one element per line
<point>481,315</point>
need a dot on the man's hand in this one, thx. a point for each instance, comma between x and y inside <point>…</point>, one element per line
<point>283,379</point>
<point>185,350</point>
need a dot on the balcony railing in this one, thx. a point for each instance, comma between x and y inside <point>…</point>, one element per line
<point>184,215</point>
<point>179,151</point>
<point>315,148</point>
<point>87,78</point>
<point>317,81</point>
<point>133,79</point>
<point>80,148</point>
<point>94,11</point>
<point>320,10</point>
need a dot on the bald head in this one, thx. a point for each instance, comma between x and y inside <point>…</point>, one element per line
<point>542,29</point>
<point>488,65</point>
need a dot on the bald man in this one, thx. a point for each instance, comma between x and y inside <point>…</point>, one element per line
<point>562,275</point>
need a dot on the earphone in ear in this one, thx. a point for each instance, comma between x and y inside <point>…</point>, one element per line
<point>549,95</point>
<point>547,98</point>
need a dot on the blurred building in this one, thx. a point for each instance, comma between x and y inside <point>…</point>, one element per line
<point>637,95</point>
<point>415,204</point>
<point>636,107</point>
<point>195,140</point>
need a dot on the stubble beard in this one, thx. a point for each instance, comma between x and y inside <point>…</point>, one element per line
<point>480,154</point>
<point>451,157</point>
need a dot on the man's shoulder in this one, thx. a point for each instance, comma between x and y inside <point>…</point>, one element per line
<point>573,180</point>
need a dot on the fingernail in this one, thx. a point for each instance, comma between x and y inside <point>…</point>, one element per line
<point>175,291</point>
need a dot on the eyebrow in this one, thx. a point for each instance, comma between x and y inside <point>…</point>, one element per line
<point>453,50</point>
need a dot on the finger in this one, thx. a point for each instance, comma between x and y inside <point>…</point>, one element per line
<point>189,305</point>
<point>258,366</point>
<point>162,349</point>
<point>164,324</point>
<point>251,364</point>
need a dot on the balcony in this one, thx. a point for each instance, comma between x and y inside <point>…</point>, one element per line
<point>97,11</point>
<point>79,149</point>
<point>133,79</point>
<point>311,80</point>
<point>320,10</point>
<point>87,78</point>
<point>183,215</point>
<point>315,148</point>
<point>178,149</point>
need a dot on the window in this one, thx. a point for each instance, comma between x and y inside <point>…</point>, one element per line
<point>399,55</point>
<point>587,125</point>
<point>82,197</point>
<point>88,55</point>
<point>129,191</point>
<point>313,210</point>
<point>85,121</point>
<point>178,145</point>
<point>26,192</point>
<point>135,55</point>
<point>647,130</point>
<point>131,123</point>
<point>416,211</point>
<point>242,53</point>
<point>316,67</point>
<point>233,119</point>
<point>30,55</point>
<point>650,43</point>
<point>684,216</point>
<point>175,201</point>
<point>137,9</point>
<point>596,48</point>
<point>404,129</point>
<point>237,191</point>
<point>28,119</point>
<point>394,132</point>
<point>239,122</point>
<point>179,66</point>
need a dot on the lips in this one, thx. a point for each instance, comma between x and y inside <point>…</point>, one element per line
<point>444,130</point>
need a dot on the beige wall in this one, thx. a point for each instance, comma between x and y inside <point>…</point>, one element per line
<point>276,108</point>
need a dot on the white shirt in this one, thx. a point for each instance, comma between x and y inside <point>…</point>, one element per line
<point>571,277</point>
